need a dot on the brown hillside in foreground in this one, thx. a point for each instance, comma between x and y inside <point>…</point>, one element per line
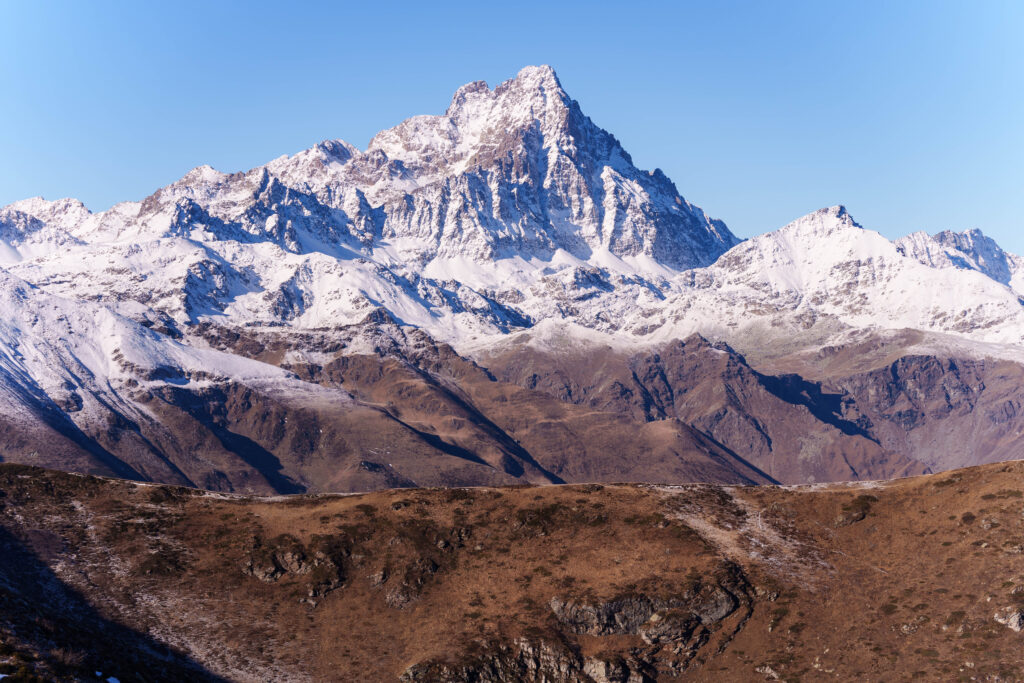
<point>893,581</point>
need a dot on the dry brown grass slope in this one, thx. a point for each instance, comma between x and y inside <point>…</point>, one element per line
<point>900,580</point>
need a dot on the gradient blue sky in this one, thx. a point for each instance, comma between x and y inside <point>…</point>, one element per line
<point>910,113</point>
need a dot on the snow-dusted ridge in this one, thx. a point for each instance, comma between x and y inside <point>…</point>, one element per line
<point>969,250</point>
<point>826,267</point>
<point>84,356</point>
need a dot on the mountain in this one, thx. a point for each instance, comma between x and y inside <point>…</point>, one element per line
<point>971,250</point>
<point>489,296</point>
<point>505,183</point>
<point>826,276</point>
<point>88,390</point>
<point>917,578</point>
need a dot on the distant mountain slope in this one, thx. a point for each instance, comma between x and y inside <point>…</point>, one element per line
<point>88,390</point>
<point>824,275</point>
<point>791,429</point>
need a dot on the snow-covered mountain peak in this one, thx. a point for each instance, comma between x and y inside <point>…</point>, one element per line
<point>59,210</point>
<point>540,77</point>
<point>482,126</point>
<point>536,93</point>
<point>824,221</point>
<point>969,250</point>
<point>514,172</point>
<point>535,87</point>
<point>809,252</point>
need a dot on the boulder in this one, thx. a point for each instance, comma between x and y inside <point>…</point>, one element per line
<point>1011,617</point>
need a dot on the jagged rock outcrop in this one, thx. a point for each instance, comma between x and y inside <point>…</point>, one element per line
<point>320,566</point>
<point>534,662</point>
<point>520,660</point>
<point>655,619</point>
<point>680,625</point>
<point>1011,617</point>
<point>674,628</point>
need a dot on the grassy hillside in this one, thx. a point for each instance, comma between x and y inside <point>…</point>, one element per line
<point>895,581</point>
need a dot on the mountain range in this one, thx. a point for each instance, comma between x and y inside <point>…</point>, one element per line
<point>495,295</point>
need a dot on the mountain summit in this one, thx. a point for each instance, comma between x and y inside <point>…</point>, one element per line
<point>514,171</point>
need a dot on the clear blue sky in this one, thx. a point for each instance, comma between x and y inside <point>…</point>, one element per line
<point>910,113</point>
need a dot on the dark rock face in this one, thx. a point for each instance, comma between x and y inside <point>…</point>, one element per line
<point>624,616</point>
<point>321,565</point>
<point>521,660</point>
<point>536,662</point>
<point>658,619</point>
<point>915,389</point>
<point>675,629</point>
<point>925,406</point>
